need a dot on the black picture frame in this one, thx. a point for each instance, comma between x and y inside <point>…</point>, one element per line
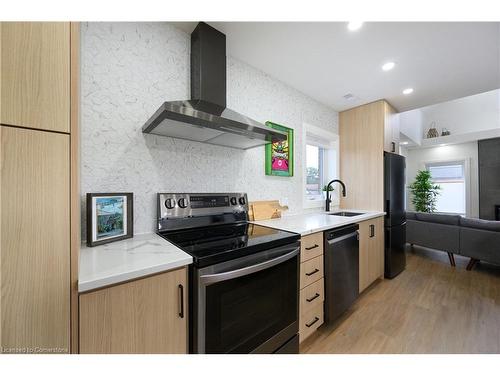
<point>92,229</point>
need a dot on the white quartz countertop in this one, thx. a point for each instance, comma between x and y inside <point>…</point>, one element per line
<point>120,261</point>
<point>317,222</point>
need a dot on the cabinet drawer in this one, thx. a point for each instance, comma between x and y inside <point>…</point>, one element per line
<point>311,271</point>
<point>312,296</point>
<point>310,321</point>
<point>311,246</point>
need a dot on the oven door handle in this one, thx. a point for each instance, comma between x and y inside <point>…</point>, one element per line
<point>217,277</point>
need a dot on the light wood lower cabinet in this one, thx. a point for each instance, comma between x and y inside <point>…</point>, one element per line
<point>311,271</point>
<point>35,241</point>
<point>311,246</point>
<point>143,316</point>
<point>312,295</point>
<point>312,285</point>
<point>310,320</point>
<point>371,251</point>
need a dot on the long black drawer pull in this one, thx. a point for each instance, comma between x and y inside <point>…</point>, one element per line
<point>312,247</point>
<point>312,323</point>
<point>312,298</point>
<point>181,301</point>
<point>312,272</point>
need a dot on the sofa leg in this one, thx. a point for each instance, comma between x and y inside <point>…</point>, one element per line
<point>452,259</point>
<point>472,263</point>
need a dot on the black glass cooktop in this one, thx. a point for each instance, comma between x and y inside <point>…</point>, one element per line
<point>218,243</point>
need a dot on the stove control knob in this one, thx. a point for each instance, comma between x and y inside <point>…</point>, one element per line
<point>182,203</point>
<point>242,201</point>
<point>234,202</point>
<point>170,203</point>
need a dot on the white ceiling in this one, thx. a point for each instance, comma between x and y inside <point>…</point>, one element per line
<point>441,61</point>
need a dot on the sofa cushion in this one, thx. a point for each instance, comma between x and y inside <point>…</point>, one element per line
<point>410,215</point>
<point>480,224</point>
<point>433,235</point>
<point>438,218</point>
<point>480,244</point>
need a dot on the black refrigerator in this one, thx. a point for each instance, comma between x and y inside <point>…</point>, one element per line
<point>395,218</point>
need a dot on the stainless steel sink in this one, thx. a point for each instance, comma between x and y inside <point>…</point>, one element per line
<point>346,213</point>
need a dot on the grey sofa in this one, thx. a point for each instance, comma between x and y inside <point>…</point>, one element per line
<point>474,238</point>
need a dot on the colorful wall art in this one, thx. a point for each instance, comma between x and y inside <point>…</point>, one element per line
<point>279,155</point>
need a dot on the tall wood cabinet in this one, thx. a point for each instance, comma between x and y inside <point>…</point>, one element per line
<point>142,316</point>
<point>35,240</point>
<point>39,185</point>
<point>365,132</point>
<point>36,75</point>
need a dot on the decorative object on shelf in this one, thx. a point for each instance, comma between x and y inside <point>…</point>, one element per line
<point>445,132</point>
<point>279,155</point>
<point>109,217</point>
<point>424,192</point>
<point>432,133</point>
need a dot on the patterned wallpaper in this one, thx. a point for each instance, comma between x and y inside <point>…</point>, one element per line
<point>128,70</point>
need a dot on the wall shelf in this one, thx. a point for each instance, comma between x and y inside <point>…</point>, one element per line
<point>458,138</point>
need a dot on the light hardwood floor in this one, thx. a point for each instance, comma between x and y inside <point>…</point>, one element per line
<point>429,308</point>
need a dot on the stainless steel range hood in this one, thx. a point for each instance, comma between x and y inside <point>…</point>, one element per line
<point>205,117</point>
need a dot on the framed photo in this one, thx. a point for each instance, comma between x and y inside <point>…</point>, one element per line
<point>109,217</point>
<point>279,155</point>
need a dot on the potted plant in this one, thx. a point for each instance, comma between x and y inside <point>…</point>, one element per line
<point>424,192</point>
<point>325,189</point>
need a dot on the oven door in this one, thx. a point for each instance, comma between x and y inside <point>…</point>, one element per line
<point>249,304</point>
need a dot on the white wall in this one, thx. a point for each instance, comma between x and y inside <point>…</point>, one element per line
<point>465,115</point>
<point>416,159</point>
<point>128,70</point>
<point>410,124</point>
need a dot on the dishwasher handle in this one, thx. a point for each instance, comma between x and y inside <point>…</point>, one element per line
<point>344,237</point>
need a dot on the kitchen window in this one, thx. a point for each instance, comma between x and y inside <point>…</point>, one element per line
<point>320,164</point>
<point>451,177</point>
<point>314,171</point>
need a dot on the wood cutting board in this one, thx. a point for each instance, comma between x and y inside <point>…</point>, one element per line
<point>262,210</point>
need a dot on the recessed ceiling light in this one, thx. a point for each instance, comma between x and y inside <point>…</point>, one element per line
<point>404,143</point>
<point>408,91</point>
<point>354,25</point>
<point>388,66</point>
<point>442,145</point>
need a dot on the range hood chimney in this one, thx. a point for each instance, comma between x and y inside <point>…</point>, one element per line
<point>205,117</point>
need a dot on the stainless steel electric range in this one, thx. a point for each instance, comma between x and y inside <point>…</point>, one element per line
<point>244,280</point>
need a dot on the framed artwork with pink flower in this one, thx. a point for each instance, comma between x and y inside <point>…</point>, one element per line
<point>279,155</point>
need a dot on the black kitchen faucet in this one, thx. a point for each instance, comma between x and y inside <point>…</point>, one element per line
<point>328,200</point>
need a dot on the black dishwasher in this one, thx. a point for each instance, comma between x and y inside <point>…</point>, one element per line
<point>341,253</point>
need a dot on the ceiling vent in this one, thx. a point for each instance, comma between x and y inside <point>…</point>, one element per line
<point>349,97</point>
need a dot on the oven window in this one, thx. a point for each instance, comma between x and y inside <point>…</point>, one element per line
<point>245,312</point>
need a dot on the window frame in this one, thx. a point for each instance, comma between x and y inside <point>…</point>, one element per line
<point>467,180</point>
<point>329,141</point>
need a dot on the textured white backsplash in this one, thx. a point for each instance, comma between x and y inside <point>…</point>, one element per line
<point>128,70</point>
